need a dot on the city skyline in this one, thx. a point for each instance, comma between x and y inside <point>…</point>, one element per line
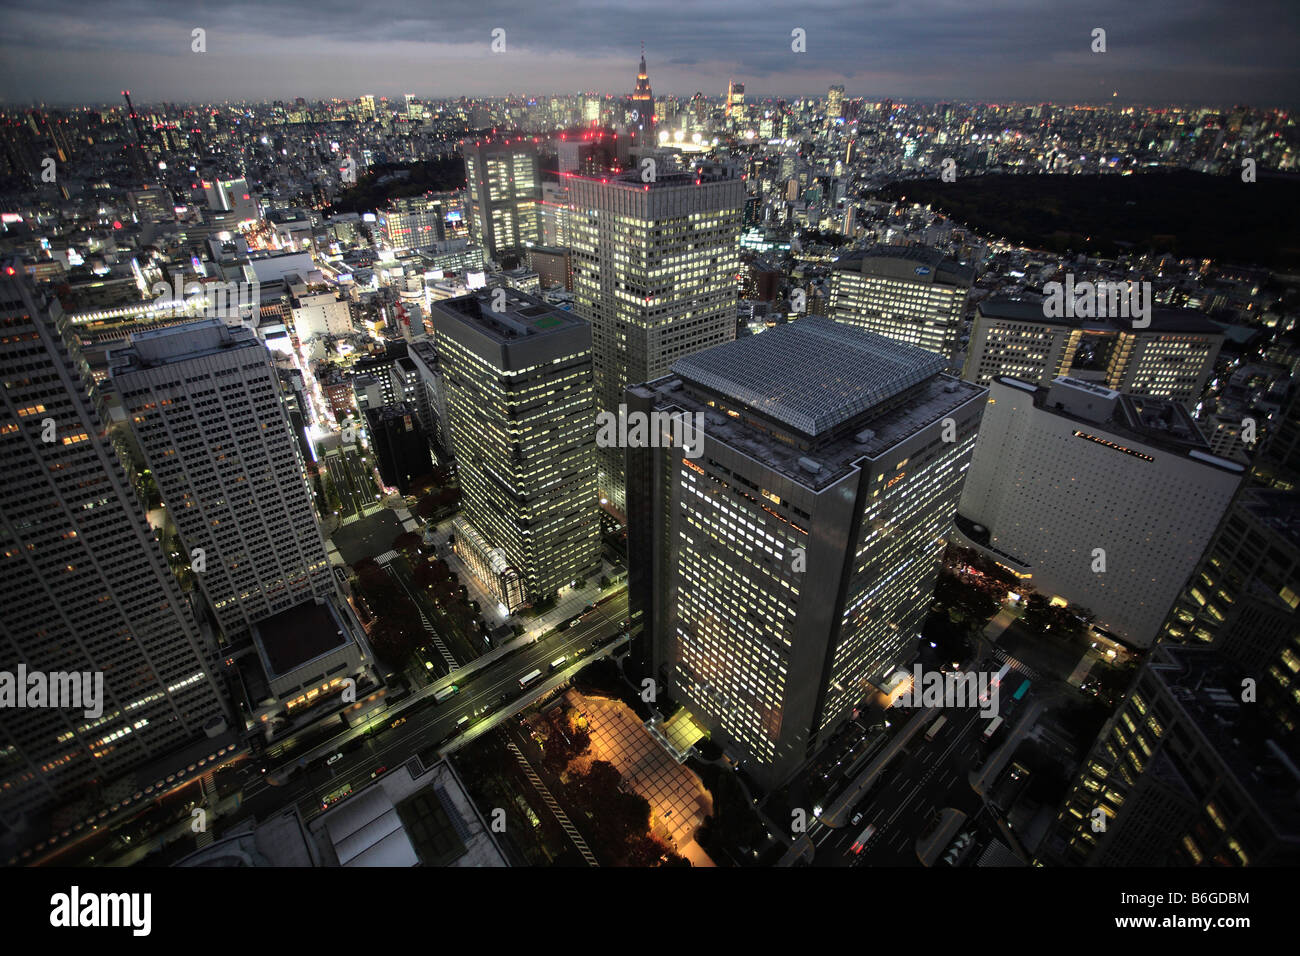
<point>868,460</point>
<point>1020,51</point>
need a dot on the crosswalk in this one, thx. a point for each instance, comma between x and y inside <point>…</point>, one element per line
<point>1024,670</point>
<point>209,790</point>
<point>387,557</point>
<point>452,663</point>
<point>556,809</point>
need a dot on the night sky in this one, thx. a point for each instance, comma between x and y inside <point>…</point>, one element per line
<point>1190,52</point>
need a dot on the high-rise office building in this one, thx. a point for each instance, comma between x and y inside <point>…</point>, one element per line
<point>834,103</point>
<point>654,272</point>
<point>643,103</point>
<point>408,388</point>
<point>1171,358</point>
<point>517,385</point>
<point>400,446</point>
<point>86,586</point>
<point>418,222</point>
<point>203,401</point>
<point>698,112</point>
<point>1277,464</point>
<point>505,186</point>
<point>734,108</point>
<point>425,359</point>
<point>1244,600</point>
<point>1107,500</point>
<point>913,294</point>
<point>1185,773</point>
<point>781,571</point>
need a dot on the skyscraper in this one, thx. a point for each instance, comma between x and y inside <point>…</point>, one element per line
<point>834,103</point>
<point>505,187</point>
<point>85,585</point>
<point>913,294</point>
<point>203,401</point>
<point>1107,500</point>
<point>782,571</point>
<point>400,446</point>
<point>734,109</point>
<point>654,271</point>
<point>1244,600</point>
<point>517,385</point>
<point>1171,358</point>
<point>1185,773</point>
<point>643,103</point>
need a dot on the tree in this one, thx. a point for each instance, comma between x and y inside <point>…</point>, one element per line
<point>408,542</point>
<point>962,601</point>
<point>1054,620</point>
<point>391,644</point>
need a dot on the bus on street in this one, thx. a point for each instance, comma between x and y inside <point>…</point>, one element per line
<point>449,691</point>
<point>529,678</point>
<point>993,726</point>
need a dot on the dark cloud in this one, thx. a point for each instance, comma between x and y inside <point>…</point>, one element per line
<point>1188,51</point>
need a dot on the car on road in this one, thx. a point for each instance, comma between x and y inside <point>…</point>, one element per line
<point>333,760</point>
<point>857,818</point>
<point>860,843</point>
<point>377,771</point>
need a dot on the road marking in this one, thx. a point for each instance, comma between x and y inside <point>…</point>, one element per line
<point>556,809</point>
<point>437,641</point>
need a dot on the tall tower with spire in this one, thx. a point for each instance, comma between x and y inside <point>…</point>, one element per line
<point>643,104</point>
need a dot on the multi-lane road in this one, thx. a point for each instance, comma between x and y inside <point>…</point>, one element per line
<point>352,481</point>
<point>488,687</point>
<point>921,780</point>
<point>925,777</point>
<point>487,694</point>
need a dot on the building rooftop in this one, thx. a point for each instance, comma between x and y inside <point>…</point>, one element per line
<point>297,635</point>
<point>1158,423</point>
<point>180,343</point>
<point>1162,319</point>
<point>409,816</point>
<point>390,412</point>
<point>664,179</point>
<point>523,315</point>
<point>866,435</point>
<point>906,262</point>
<point>812,374</point>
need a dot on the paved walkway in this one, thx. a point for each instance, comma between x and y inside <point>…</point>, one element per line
<point>994,628</point>
<point>678,800</point>
<point>1082,668</point>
